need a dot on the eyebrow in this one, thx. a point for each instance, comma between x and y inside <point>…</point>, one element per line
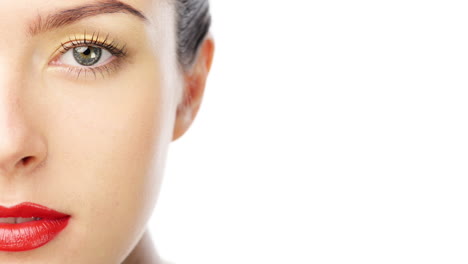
<point>72,15</point>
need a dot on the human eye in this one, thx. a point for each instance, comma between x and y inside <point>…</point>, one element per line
<point>90,56</point>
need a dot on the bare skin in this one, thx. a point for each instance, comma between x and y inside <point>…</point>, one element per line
<point>95,137</point>
<point>145,251</point>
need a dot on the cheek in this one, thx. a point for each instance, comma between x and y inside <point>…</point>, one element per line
<point>107,150</point>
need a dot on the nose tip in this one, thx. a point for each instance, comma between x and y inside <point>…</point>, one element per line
<point>21,151</point>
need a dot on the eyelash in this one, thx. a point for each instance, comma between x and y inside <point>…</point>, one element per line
<point>112,47</point>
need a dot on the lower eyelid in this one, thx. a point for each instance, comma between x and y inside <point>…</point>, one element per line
<point>103,71</point>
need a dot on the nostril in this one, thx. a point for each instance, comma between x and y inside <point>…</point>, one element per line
<point>27,160</point>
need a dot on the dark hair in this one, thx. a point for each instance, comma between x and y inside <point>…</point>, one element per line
<point>193,23</point>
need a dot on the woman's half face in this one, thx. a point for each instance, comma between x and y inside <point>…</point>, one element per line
<point>88,92</point>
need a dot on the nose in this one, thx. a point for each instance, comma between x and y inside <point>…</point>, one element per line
<point>22,148</point>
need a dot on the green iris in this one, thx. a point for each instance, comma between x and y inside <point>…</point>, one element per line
<point>87,56</point>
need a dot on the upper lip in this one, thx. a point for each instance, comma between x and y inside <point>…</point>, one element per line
<point>27,210</point>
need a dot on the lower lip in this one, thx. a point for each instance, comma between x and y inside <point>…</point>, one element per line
<point>30,235</point>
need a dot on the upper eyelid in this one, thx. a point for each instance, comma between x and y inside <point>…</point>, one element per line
<point>114,51</point>
<point>112,47</point>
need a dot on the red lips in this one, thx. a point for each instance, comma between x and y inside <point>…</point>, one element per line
<point>33,234</point>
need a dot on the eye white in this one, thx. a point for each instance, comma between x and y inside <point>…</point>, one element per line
<point>68,58</point>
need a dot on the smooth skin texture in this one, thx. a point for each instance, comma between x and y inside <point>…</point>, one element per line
<point>92,145</point>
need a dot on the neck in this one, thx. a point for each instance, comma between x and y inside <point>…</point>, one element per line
<point>144,252</point>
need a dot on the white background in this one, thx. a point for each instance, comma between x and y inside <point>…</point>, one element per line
<point>331,132</point>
